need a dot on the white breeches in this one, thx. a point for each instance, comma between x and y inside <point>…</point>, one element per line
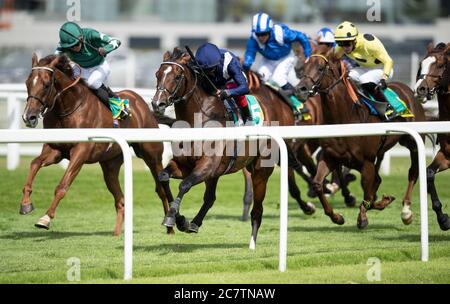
<point>366,75</point>
<point>94,77</point>
<point>277,71</point>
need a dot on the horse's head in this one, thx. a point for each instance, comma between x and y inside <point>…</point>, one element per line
<point>173,78</point>
<point>318,73</point>
<point>431,75</point>
<point>41,87</point>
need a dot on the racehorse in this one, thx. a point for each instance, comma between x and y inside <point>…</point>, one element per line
<point>64,102</point>
<point>179,83</point>
<point>434,78</point>
<point>324,74</point>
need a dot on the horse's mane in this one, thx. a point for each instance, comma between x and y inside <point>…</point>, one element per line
<point>63,63</point>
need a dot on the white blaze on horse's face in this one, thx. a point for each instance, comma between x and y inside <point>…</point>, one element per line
<point>166,72</point>
<point>425,70</point>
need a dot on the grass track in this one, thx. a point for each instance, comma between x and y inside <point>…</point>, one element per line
<point>318,251</point>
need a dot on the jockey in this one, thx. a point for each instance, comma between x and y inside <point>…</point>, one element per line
<point>88,48</point>
<point>274,43</point>
<point>375,66</point>
<point>224,70</point>
<point>325,36</point>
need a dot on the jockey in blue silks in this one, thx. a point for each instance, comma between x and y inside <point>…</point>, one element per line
<point>274,43</point>
<point>224,70</point>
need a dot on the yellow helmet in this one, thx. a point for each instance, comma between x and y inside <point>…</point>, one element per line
<point>345,31</point>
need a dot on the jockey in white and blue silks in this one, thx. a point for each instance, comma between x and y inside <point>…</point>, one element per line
<point>274,43</point>
<point>325,36</point>
<point>224,70</point>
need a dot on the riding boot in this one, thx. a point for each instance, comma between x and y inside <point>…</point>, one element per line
<point>248,119</point>
<point>382,106</point>
<point>287,91</point>
<point>103,95</point>
<point>113,96</point>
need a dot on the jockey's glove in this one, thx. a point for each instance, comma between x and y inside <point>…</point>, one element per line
<point>382,85</point>
<point>224,94</point>
<point>102,52</point>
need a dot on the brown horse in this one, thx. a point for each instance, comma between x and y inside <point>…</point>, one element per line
<point>434,78</point>
<point>303,150</point>
<point>67,103</point>
<point>179,84</point>
<point>324,74</point>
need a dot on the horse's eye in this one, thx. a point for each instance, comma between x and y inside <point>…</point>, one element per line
<point>178,77</point>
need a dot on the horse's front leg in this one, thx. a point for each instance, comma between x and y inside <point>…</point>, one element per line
<point>440,163</point>
<point>79,155</point>
<point>199,174</point>
<point>208,200</point>
<point>48,157</point>
<point>323,169</point>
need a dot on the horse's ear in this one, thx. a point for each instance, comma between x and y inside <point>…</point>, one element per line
<point>34,60</point>
<point>166,56</point>
<point>185,59</point>
<point>430,47</point>
<point>447,50</point>
<point>55,61</point>
<point>330,53</point>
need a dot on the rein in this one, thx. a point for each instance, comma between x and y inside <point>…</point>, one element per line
<point>45,105</point>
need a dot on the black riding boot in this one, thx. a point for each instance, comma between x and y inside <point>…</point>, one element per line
<point>383,107</point>
<point>287,91</point>
<point>102,94</point>
<point>247,115</point>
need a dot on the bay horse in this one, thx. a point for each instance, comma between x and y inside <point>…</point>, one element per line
<point>65,102</point>
<point>324,75</point>
<point>434,78</point>
<point>178,83</point>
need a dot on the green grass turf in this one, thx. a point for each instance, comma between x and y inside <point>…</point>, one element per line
<point>318,250</point>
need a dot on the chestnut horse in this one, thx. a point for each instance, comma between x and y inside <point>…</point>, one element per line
<point>179,84</point>
<point>67,103</point>
<point>324,74</point>
<point>434,78</point>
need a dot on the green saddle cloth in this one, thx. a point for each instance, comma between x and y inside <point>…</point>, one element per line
<point>117,106</point>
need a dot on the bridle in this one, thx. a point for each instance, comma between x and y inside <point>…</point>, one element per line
<point>173,98</point>
<point>440,87</point>
<point>45,106</point>
<point>315,89</point>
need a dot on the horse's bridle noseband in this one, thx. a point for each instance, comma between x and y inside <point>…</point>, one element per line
<point>173,98</point>
<point>45,105</point>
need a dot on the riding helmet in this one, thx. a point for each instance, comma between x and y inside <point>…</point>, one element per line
<point>208,56</point>
<point>346,31</point>
<point>69,35</point>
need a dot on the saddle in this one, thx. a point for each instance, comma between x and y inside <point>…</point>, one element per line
<point>234,113</point>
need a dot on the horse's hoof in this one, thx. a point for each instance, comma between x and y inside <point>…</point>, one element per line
<point>193,228</point>
<point>444,222</point>
<point>26,209</point>
<point>311,193</point>
<point>182,223</point>
<point>168,221</point>
<point>362,223</point>
<point>43,223</point>
<point>350,201</point>
<point>310,209</point>
<point>244,218</point>
<point>170,231</point>
<point>407,216</point>
<point>340,219</point>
